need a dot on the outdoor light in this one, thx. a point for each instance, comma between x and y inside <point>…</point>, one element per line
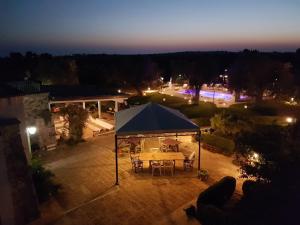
<point>119,91</point>
<point>190,101</point>
<point>162,78</point>
<point>245,106</point>
<point>164,99</point>
<point>254,157</point>
<point>149,88</point>
<point>292,99</point>
<point>31,130</point>
<point>289,119</point>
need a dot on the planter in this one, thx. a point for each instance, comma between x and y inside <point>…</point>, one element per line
<point>203,175</point>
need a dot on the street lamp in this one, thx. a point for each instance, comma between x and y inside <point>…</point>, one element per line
<point>289,119</point>
<point>30,131</point>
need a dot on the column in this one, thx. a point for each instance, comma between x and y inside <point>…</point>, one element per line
<point>83,105</point>
<point>116,106</point>
<point>99,109</point>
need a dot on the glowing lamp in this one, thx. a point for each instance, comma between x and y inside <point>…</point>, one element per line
<point>31,130</point>
<point>164,99</point>
<point>245,106</point>
<point>289,119</point>
<point>119,91</point>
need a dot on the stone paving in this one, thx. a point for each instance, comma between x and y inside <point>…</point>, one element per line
<point>89,196</point>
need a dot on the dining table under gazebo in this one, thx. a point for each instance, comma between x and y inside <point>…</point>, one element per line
<point>154,120</point>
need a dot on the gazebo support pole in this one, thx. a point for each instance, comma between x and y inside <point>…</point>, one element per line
<point>199,149</point>
<point>116,157</point>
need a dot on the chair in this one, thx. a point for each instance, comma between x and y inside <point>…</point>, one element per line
<point>163,148</point>
<point>138,149</point>
<point>189,162</point>
<point>156,165</point>
<point>168,164</point>
<point>136,163</point>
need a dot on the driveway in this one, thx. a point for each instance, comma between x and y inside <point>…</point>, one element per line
<point>89,196</point>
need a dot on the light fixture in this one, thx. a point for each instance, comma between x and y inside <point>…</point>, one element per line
<point>119,91</point>
<point>164,99</point>
<point>245,106</point>
<point>31,130</point>
<point>289,119</point>
<point>149,88</point>
<point>190,101</point>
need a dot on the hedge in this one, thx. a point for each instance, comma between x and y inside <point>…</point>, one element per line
<point>217,194</point>
<point>223,145</point>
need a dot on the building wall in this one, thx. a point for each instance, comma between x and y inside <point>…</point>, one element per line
<point>37,114</point>
<point>31,110</point>
<point>18,203</point>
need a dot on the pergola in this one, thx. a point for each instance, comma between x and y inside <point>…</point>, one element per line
<point>152,120</point>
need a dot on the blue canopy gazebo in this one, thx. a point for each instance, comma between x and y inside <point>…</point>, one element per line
<point>152,120</point>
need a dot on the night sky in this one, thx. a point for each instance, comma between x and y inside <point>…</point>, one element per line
<point>140,26</point>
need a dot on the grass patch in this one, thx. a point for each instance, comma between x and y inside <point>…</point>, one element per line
<point>204,109</point>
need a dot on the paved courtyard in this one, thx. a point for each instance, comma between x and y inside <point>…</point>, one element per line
<point>89,196</point>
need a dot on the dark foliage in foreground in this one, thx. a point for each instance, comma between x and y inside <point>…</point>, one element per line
<point>217,194</point>
<point>43,181</point>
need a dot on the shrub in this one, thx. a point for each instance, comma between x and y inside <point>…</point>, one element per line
<point>211,215</point>
<point>249,187</point>
<point>190,211</point>
<point>224,145</point>
<point>43,181</point>
<point>76,117</point>
<point>219,193</point>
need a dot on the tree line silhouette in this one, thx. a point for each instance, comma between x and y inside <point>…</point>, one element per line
<point>249,70</point>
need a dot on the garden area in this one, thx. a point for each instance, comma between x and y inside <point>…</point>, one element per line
<point>226,123</point>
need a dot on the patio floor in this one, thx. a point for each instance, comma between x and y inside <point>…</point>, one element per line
<point>87,173</point>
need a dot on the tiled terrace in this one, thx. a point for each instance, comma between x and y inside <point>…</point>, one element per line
<point>87,173</point>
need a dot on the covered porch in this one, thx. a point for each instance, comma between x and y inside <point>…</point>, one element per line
<point>157,140</point>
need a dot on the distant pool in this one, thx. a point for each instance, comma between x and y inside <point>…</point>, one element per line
<point>209,94</point>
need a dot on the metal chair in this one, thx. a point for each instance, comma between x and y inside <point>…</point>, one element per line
<point>156,165</point>
<point>169,165</point>
<point>188,164</point>
<point>136,163</point>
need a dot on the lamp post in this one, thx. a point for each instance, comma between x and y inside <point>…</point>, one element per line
<point>30,131</point>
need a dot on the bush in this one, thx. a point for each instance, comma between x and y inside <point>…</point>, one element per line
<point>223,145</point>
<point>190,211</point>
<point>43,181</point>
<point>249,187</point>
<point>219,193</point>
<point>211,215</point>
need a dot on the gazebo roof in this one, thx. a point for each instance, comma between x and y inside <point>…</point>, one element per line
<point>152,118</point>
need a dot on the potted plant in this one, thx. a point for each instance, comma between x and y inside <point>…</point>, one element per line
<point>203,174</point>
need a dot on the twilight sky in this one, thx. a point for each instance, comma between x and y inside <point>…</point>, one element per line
<point>148,26</point>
